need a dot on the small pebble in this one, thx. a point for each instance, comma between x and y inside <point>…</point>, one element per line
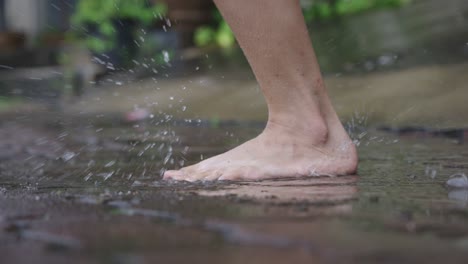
<point>458,180</point>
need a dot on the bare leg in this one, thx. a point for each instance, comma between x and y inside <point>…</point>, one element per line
<point>303,136</point>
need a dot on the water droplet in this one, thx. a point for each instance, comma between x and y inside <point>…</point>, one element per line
<point>165,56</point>
<point>106,175</point>
<point>68,156</point>
<point>110,164</point>
<point>87,177</point>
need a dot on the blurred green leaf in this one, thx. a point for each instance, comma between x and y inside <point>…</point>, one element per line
<point>225,36</point>
<point>221,35</point>
<point>103,14</point>
<point>204,36</point>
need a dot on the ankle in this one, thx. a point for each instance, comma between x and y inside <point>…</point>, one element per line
<point>315,131</point>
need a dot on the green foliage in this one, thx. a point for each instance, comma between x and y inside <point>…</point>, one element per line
<point>103,14</point>
<point>98,44</point>
<point>224,36</point>
<point>204,35</point>
<point>220,35</point>
<point>318,10</point>
<point>103,11</point>
<point>328,9</point>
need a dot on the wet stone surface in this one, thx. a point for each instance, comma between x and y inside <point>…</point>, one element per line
<point>90,192</point>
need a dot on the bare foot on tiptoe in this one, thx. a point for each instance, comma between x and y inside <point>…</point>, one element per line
<point>280,151</point>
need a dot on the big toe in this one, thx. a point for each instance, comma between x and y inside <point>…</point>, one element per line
<point>173,174</point>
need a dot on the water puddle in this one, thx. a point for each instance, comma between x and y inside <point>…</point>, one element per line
<point>111,184</point>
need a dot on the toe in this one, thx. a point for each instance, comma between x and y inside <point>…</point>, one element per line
<point>246,173</point>
<point>173,174</point>
<point>198,176</point>
<point>230,175</point>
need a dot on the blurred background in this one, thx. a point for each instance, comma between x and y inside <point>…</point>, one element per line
<point>392,63</point>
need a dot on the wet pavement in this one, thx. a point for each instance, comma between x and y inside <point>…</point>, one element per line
<point>398,98</point>
<point>89,191</point>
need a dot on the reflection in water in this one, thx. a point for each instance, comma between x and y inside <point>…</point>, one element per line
<point>460,195</point>
<point>334,195</point>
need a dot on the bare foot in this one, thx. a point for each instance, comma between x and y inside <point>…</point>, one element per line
<point>280,151</point>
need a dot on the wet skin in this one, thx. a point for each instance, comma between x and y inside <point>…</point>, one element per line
<point>277,152</point>
<point>304,136</point>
